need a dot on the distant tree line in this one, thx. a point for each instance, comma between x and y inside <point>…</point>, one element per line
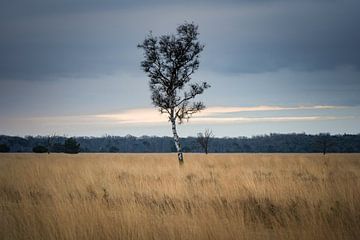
<point>281,143</point>
<point>39,144</point>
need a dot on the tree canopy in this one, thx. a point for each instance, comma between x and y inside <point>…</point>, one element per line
<point>169,61</point>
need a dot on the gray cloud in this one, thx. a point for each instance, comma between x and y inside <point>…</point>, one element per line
<point>41,38</point>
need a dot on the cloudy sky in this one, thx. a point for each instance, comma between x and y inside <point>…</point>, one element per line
<point>72,66</point>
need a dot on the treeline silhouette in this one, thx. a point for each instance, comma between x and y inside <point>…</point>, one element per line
<point>282,143</point>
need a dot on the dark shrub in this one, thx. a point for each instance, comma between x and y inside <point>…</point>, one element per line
<point>71,146</point>
<point>39,149</point>
<point>4,148</point>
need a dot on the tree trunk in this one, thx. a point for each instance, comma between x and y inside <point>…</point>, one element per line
<point>177,142</point>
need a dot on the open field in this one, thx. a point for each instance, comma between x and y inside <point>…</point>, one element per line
<point>149,196</point>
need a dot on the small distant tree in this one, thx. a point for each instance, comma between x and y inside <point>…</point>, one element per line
<point>39,149</point>
<point>204,138</point>
<point>4,148</point>
<point>50,142</point>
<point>324,141</point>
<point>71,146</point>
<point>169,62</point>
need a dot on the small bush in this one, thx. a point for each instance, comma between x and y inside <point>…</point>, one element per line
<point>39,149</point>
<point>4,148</point>
<point>71,146</point>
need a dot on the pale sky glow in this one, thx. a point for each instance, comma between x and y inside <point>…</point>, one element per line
<point>216,110</point>
<point>72,66</point>
<point>135,116</point>
<point>217,117</point>
<point>211,115</point>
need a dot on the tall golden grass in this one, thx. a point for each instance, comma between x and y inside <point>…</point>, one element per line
<point>149,196</point>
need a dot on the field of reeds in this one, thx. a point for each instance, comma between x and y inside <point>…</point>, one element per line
<point>149,196</point>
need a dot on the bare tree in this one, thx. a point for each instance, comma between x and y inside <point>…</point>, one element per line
<point>50,141</point>
<point>169,62</point>
<point>204,138</point>
<point>324,141</point>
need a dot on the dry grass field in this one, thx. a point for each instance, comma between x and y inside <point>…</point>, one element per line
<point>149,196</point>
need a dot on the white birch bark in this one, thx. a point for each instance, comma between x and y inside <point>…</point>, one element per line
<point>177,142</point>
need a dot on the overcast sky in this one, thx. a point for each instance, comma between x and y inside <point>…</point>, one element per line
<point>72,66</point>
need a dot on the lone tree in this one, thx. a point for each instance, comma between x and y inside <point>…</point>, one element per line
<point>324,141</point>
<point>50,142</point>
<point>169,61</point>
<point>204,138</point>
